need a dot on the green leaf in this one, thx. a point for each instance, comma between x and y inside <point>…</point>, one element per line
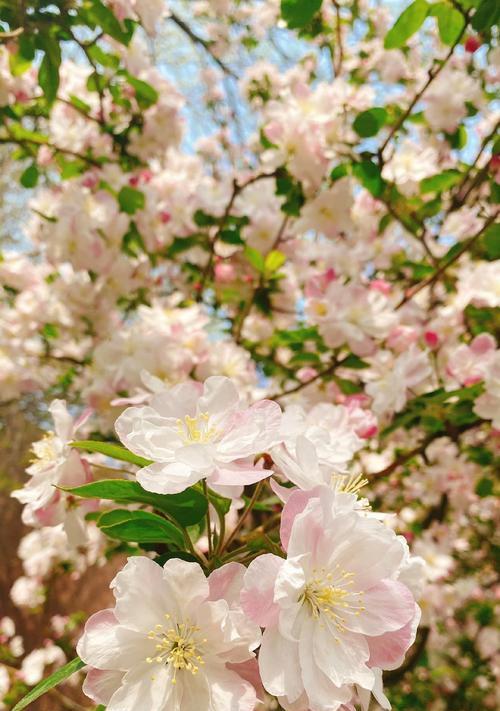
<point>203,219</point>
<point>484,487</point>
<point>182,244</point>
<point>18,64</point>
<point>104,58</point>
<point>439,183</point>
<point>274,260</point>
<point>255,258</point>
<point>187,508</point>
<point>450,22</point>
<point>49,683</point>
<point>368,123</point>
<point>145,94</point>
<point>354,361</point>
<point>231,236</point>
<point>20,133</point>
<point>139,527</point>
<point>340,171</point>
<point>369,175</point>
<point>79,104</point>
<point>406,25</point>
<point>458,139</point>
<point>114,451</point>
<point>50,330</point>
<point>29,177</point>
<point>48,78</point>
<point>486,15</point>
<point>131,200</point>
<point>491,239</point>
<point>298,13</point>
<point>292,191</point>
<point>105,18</point>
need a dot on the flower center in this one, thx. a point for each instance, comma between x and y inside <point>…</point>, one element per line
<point>179,646</point>
<point>330,594</point>
<point>196,430</point>
<point>45,450</point>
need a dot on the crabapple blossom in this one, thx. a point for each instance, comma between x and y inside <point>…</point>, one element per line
<point>56,464</point>
<point>352,314</point>
<point>191,432</point>
<point>334,609</point>
<point>168,643</point>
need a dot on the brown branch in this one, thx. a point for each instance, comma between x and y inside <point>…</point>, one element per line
<point>66,151</point>
<point>339,59</point>
<point>435,70</point>
<point>327,371</point>
<point>206,44</point>
<point>12,34</point>
<point>442,269</point>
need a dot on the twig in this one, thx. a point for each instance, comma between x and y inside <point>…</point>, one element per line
<point>244,515</point>
<point>339,59</point>
<point>433,73</point>
<point>299,386</point>
<point>11,34</point>
<point>441,270</point>
<point>202,42</point>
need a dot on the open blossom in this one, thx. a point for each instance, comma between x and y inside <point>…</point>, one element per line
<point>352,314</point>
<point>469,363</point>
<point>390,389</point>
<point>316,444</point>
<point>334,611</point>
<point>194,431</point>
<point>55,464</point>
<point>170,643</point>
<point>488,404</point>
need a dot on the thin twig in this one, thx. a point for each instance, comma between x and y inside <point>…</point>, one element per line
<point>433,73</point>
<point>442,269</point>
<point>181,24</point>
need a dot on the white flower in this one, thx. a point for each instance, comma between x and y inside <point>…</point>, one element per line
<point>33,665</point>
<point>316,445</point>
<point>193,431</point>
<point>55,465</point>
<point>352,314</point>
<point>27,592</point>
<point>390,390</point>
<point>488,404</point>
<point>167,643</point>
<point>334,611</point>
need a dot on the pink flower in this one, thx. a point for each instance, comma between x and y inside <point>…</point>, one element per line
<point>195,431</point>
<point>334,612</point>
<point>171,642</point>
<point>56,464</point>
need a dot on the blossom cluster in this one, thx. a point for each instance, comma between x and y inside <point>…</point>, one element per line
<point>233,307</point>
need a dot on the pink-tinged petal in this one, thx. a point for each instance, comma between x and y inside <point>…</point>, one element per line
<point>251,431</point>
<point>282,492</point>
<point>186,583</point>
<point>220,395</point>
<point>388,606</point>
<point>178,401</point>
<point>388,651</point>
<point>249,671</point>
<point>100,685</point>
<point>196,456</point>
<point>257,596</point>
<point>294,506</point>
<point>340,655</point>
<point>107,645</point>
<point>241,475</point>
<point>144,687</point>
<point>227,691</point>
<point>226,583</point>
<point>141,595</point>
<point>63,422</point>
<point>167,478</point>
<point>279,665</point>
